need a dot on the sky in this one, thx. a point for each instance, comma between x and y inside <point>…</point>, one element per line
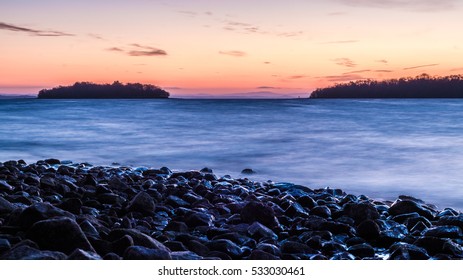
<point>196,48</point>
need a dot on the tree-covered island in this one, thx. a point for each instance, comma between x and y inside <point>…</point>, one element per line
<point>116,90</point>
<point>422,86</point>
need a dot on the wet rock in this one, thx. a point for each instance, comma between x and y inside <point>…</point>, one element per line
<point>405,251</point>
<point>336,228</point>
<point>360,211</point>
<point>176,201</point>
<point>143,203</point>
<point>444,232</point>
<point>400,207</point>
<point>139,238</point>
<point>120,245</point>
<point>306,201</point>
<point>143,253</point>
<point>52,161</point>
<point>343,256</point>
<point>362,251</point>
<point>59,234</point>
<point>4,245</point>
<point>321,211</point>
<point>453,249</point>
<point>38,212</point>
<point>451,221</point>
<point>176,226</point>
<point>368,229</point>
<point>29,253</point>
<point>5,187</point>
<point>432,245</point>
<point>79,254</point>
<point>293,247</point>
<point>197,219</point>
<point>248,171</point>
<point>269,248</point>
<point>5,206</point>
<point>258,230</point>
<point>72,205</point>
<point>225,246</point>
<point>259,212</point>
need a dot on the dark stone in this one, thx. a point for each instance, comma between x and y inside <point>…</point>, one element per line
<point>258,230</point>
<point>59,234</point>
<point>248,171</point>
<point>196,219</point>
<point>362,251</point>
<point>408,206</point>
<point>143,203</point>
<point>444,232</point>
<point>321,211</point>
<point>4,245</point>
<point>176,226</point>
<point>5,187</point>
<point>451,221</point>
<point>452,248</point>
<point>269,248</point>
<point>52,161</point>
<point>293,247</point>
<point>368,229</point>
<point>72,205</point>
<point>111,198</point>
<point>405,217</point>
<point>139,238</point>
<point>225,246</point>
<point>336,228</point>
<point>360,211</point>
<point>38,212</point>
<point>332,247</point>
<point>88,229</point>
<point>30,253</point>
<point>306,201</point>
<point>176,201</point>
<point>259,212</point>
<point>261,255</point>
<point>343,256</point>
<point>79,254</point>
<point>197,247</point>
<point>120,245</point>
<point>405,251</point>
<point>175,246</point>
<point>143,253</point>
<point>5,206</point>
<point>111,257</point>
<point>433,245</point>
<point>206,170</point>
<point>296,210</point>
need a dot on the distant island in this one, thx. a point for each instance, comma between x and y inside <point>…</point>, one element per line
<point>116,90</point>
<point>422,86</point>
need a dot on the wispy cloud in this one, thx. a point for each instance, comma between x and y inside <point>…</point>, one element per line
<point>33,32</point>
<point>357,72</point>
<point>457,69</point>
<point>139,50</point>
<point>411,5</point>
<point>343,78</point>
<point>249,28</point>
<point>233,53</point>
<point>341,42</point>
<point>383,71</point>
<point>95,36</point>
<point>296,77</point>
<point>344,61</point>
<point>420,66</point>
<point>267,87</point>
<point>382,61</point>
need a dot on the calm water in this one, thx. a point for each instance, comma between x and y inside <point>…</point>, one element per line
<point>381,148</point>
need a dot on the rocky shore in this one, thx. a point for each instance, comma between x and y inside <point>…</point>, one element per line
<point>60,210</point>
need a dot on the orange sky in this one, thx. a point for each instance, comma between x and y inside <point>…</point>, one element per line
<point>217,47</point>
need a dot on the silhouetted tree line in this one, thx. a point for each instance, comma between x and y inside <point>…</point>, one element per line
<point>422,86</point>
<point>115,90</point>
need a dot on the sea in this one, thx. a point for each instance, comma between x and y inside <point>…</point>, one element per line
<point>381,148</point>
